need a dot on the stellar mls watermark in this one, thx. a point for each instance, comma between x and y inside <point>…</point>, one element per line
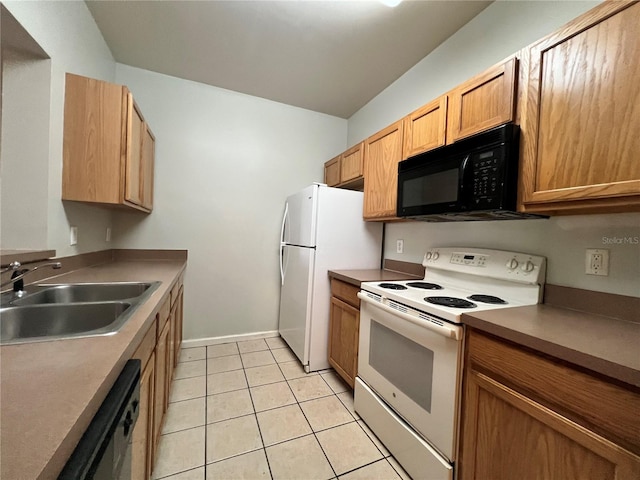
<point>620,240</point>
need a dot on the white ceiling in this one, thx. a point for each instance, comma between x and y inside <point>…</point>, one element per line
<point>331,56</point>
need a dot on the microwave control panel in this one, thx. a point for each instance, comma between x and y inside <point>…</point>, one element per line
<point>487,176</point>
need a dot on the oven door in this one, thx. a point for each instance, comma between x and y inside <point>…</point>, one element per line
<point>432,183</point>
<point>415,368</point>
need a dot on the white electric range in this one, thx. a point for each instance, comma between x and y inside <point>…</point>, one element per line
<point>410,348</point>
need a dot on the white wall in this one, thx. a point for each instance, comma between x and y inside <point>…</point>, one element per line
<point>24,148</point>
<point>225,163</point>
<point>68,34</point>
<point>502,29</point>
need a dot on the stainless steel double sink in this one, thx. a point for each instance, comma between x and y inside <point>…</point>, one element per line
<point>48,312</point>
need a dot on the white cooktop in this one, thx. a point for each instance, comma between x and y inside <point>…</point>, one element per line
<point>515,278</point>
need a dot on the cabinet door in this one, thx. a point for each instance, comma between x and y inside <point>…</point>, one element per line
<point>147,167</point>
<point>344,326</point>
<point>487,100</point>
<point>581,115</point>
<point>94,115</point>
<point>382,152</point>
<point>162,380</point>
<point>332,172</point>
<point>143,434</point>
<point>133,164</point>
<point>351,164</point>
<point>425,128</point>
<point>507,436</point>
<point>178,329</point>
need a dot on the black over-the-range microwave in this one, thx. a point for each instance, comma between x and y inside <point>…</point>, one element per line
<point>473,179</point>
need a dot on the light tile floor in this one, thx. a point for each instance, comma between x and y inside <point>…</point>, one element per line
<point>247,410</point>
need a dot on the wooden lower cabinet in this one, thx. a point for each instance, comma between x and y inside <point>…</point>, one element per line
<point>344,327</point>
<point>143,453</point>
<point>162,379</point>
<point>527,416</point>
<point>179,317</point>
<point>158,353</point>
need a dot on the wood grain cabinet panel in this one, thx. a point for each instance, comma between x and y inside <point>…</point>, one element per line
<point>143,442</point>
<point>162,379</point>
<point>425,129</point>
<point>107,146</point>
<point>527,416</point>
<point>581,115</point>
<point>332,172</point>
<point>486,100</point>
<point>351,164</point>
<point>344,327</point>
<point>382,153</point>
<point>179,319</point>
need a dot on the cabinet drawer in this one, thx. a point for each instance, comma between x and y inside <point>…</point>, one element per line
<point>605,408</point>
<point>145,349</point>
<point>345,292</point>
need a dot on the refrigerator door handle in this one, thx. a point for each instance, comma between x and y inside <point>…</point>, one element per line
<point>284,223</point>
<point>282,244</point>
<point>281,265</point>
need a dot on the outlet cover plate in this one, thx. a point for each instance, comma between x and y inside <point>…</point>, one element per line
<point>597,261</point>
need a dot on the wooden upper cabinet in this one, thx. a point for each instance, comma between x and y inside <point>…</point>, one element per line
<point>425,128</point>
<point>382,153</point>
<point>580,116</point>
<point>147,167</point>
<point>107,154</point>
<point>351,163</point>
<point>332,172</point>
<point>484,101</point>
<point>345,170</point>
<point>133,162</point>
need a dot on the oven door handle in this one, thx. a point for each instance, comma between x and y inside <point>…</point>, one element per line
<point>452,331</point>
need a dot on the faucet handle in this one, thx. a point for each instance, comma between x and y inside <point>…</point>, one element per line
<point>12,266</point>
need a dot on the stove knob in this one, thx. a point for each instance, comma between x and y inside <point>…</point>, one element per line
<point>427,255</point>
<point>512,264</point>
<point>435,255</point>
<point>528,266</point>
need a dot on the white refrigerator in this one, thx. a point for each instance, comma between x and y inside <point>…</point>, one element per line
<point>322,229</point>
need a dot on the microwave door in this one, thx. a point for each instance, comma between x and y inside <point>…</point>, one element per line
<point>431,188</point>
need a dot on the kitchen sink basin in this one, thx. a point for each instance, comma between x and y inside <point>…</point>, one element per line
<point>82,292</point>
<point>53,312</point>
<point>47,322</point>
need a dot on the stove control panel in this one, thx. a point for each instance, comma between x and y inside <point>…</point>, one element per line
<point>499,264</point>
<point>469,259</point>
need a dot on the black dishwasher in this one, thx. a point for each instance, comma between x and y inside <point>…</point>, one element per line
<point>104,451</point>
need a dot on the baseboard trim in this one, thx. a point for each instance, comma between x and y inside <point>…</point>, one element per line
<point>203,342</point>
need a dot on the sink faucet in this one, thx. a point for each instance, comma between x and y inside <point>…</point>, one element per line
<point>18,275</point>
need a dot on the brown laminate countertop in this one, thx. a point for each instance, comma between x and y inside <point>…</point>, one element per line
<point>605,345</point>
<point>50,391</point>
<point>356,277</point>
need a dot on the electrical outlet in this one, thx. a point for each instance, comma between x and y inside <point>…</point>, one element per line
<point>597,261</point>
<point>399,246</point>
<point>73,236</point>
<point>108,236</point>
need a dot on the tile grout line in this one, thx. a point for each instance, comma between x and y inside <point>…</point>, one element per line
<point>297,402</point>
<point>255,414</point>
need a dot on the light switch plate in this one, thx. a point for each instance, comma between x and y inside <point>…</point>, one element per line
<point>73,236</point>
